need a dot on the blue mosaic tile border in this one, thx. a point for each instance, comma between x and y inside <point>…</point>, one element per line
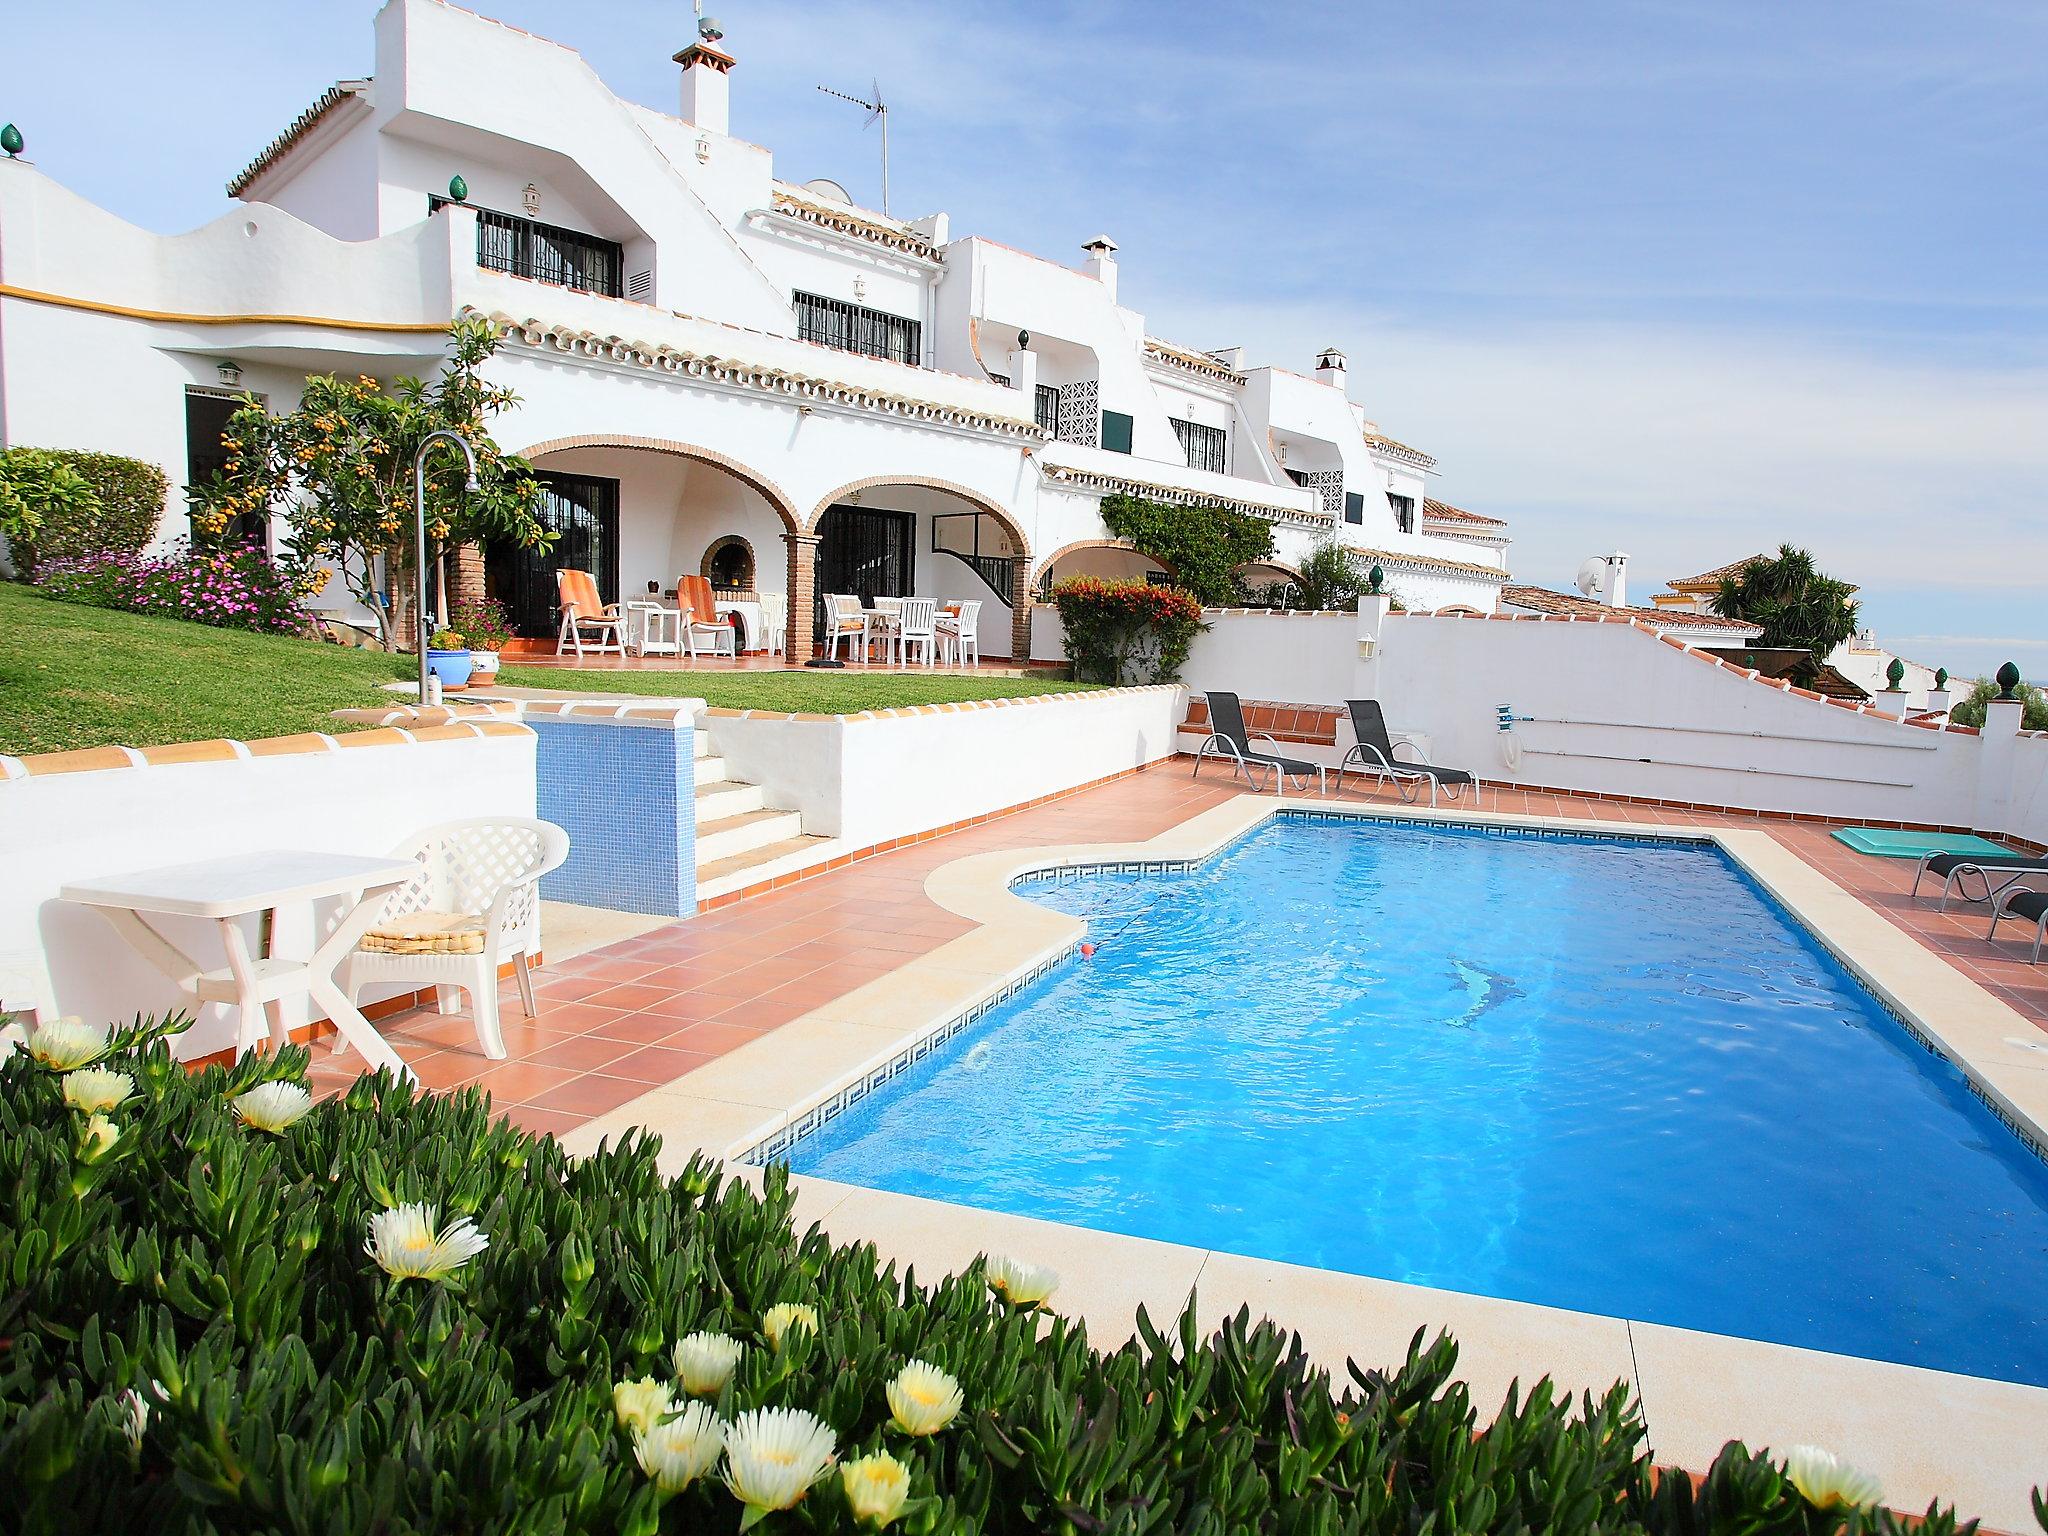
<point>806,1124</point>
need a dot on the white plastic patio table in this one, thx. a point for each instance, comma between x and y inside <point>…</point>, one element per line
<point>238,886</point>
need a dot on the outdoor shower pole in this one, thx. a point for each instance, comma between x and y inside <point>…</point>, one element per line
<point>419,552</point>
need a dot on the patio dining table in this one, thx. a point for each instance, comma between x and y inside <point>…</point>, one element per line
<point>225,890</point>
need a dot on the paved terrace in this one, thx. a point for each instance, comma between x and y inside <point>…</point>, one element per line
<point>643,1011</point>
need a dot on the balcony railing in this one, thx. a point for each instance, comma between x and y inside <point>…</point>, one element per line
<point>1204,447</point>
<point>1045,407</point>
<point>546,253</point>
<point>856,328</point>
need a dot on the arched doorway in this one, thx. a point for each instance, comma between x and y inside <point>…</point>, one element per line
<point>1105,560</point>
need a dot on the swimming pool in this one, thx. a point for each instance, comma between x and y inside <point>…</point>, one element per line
<point>1603,1074</point>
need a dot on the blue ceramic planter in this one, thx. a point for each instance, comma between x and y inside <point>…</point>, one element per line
<point>452,667</point>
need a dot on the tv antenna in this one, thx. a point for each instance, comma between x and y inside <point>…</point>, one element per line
<point>877,110</point>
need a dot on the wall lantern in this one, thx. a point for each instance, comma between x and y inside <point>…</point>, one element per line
<point>230,373</point>
<point>530,199</point>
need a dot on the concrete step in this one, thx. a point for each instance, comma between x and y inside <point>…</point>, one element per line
<point>764,863</point>
<point>725,799</point>
<point>744,833</point>
<point>710,770</point>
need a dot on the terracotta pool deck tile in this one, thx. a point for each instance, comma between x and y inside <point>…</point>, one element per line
<point>636,1029</point>
<point>628,997</point>
<point>590,1094</point>
<point>543,1122</point>
<point>517,1082</point>
<point>714,1037</point>
<point>581,1053</point>
<point>653,1064</point>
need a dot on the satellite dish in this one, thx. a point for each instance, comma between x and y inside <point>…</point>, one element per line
<point>824,186</point>
<point>1593,576</point>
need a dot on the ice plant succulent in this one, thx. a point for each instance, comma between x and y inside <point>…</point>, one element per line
<point>642,1404</point>
<point>876,1488</point>
<point>705,1362</point>
<point>99,1138</point>
<point>406,1245</point>
<point>773,1456</point>
<point>1024,1286</point>
<point>923,1399</point>
<point>273,1107</point>
<point>96,1089</point>
<point>1826,1481</point>
<point>678,1451</point>
<point>784,1317</point>
<point>66,1044</point>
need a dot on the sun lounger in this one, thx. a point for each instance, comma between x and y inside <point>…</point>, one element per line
<point>1374,754</point>
<point>2028,907</point>
<point>1955,870</point>
<point>1228,738</point>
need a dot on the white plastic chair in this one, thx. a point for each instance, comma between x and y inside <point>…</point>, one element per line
<point>960,634</point>
<point>917,624</point>
<point>845,620</point>
<point>775,620</point>
<point>477,895</point>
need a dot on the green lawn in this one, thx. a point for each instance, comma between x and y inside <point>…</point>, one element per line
<point>89,677</point>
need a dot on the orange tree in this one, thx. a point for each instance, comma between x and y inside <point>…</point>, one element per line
<point>1119,631</point>
<point>340,468</point>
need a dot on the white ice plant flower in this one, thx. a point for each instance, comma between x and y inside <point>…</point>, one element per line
<point>923,1399</point>
<point>642,1404</point>
<point>135,1417</point>
<point>1021,1285</point>
<point>96,1089</point>
<point>705,1362</point>
<point>406,1244</point>
<point>784,1317</point>
<point>774,1455</point>
<point>678,1451</point>
<point>876,1488</point>
<point>273,1107</point>
<point>1826,1481</point>
<point>66,1044</point>
<point>100,1136</point>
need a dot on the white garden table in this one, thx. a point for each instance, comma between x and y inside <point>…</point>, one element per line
<point>241,885</point>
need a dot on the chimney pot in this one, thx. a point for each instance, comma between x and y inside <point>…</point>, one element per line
<point>1101,263</point>
<point>707,88</point>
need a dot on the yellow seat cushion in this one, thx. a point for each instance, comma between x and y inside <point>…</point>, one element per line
<point>427,933</point>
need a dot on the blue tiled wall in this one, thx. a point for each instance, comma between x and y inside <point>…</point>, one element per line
<point>627,792</point>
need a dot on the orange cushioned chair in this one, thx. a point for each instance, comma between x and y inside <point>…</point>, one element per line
<point>701,621</point>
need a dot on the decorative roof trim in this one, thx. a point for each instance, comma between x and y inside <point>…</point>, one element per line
<point>896,237</point>
<point>1443,512</point>
<point>1193,362</point>
<point>543,334</point>
<point>1436,563</point>
<point>303,124</point>
<point>1181,495</point>
<point>1381,443</point>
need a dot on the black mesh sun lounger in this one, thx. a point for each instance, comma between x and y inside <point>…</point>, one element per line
<point>1956,868</point>
<point>2028,907</point>
<point>1374,754</point>
<point>1229,739</point>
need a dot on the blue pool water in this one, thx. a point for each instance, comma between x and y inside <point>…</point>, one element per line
<point>1605,1075</point>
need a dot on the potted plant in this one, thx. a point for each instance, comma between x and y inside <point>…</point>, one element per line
<point>448,659</point>
<point>484,625</point>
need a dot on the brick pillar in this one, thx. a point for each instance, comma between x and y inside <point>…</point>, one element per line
<point>466,574</point>
<point>1020,610</point>
<point>803,594</point>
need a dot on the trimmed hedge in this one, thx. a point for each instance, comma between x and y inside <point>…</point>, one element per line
<point>121,516</point>
<point>193,1338</point>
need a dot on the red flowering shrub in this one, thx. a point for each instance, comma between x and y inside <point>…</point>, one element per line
<point>1126,631</point>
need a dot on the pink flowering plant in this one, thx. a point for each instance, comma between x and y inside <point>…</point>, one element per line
<point>236,588</point>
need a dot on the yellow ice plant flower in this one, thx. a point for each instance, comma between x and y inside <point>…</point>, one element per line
<point>923,1399</point>
<point>94,1089</point>
<point>273,1107</point>
<point>642,1404</point>
<point>679,1451</point>
<point>876,1488</point>
<point>774,1455</point>
<point>780,1319</point>
<point>66,1044</point>
<point>1826,1481</point>
<point>407,1246</point>
<point>705,1362</point>
<point>1022,1285</point>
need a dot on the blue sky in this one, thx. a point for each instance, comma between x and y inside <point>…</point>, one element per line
<point>1684,279</point>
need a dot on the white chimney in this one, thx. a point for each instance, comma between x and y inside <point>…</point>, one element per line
<point>1230,357</point>
<point>707,98</point>
<point>1331,368</point>
<point>1101,263</point>
<point>1615,589</point>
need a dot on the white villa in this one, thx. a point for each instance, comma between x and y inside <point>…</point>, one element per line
<point>722,372</point>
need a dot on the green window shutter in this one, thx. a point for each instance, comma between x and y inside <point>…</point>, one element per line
<point>1116,431</point>
<point>1354,506</point>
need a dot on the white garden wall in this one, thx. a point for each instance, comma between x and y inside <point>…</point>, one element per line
<point>61,827</point>
<point>868,779</point>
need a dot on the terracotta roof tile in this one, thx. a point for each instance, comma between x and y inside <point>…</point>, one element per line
<point>303,124</point>
<point>1395,449</point>
<point>1543,600</point>
<point>1441,512</point>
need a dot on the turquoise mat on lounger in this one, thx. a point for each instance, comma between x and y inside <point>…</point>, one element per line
<point>1890,843</point>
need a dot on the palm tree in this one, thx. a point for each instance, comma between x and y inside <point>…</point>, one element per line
<point>1793,603</point>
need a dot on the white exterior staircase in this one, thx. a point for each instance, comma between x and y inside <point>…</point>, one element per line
<point>741,839</point>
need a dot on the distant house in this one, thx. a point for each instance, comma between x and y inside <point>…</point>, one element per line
<point>1705,629</point>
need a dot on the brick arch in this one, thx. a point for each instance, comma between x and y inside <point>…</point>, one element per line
<point>1290,572</point>
<point>770,492</point>
<point>966,493</point>
<point>1078,545</point>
